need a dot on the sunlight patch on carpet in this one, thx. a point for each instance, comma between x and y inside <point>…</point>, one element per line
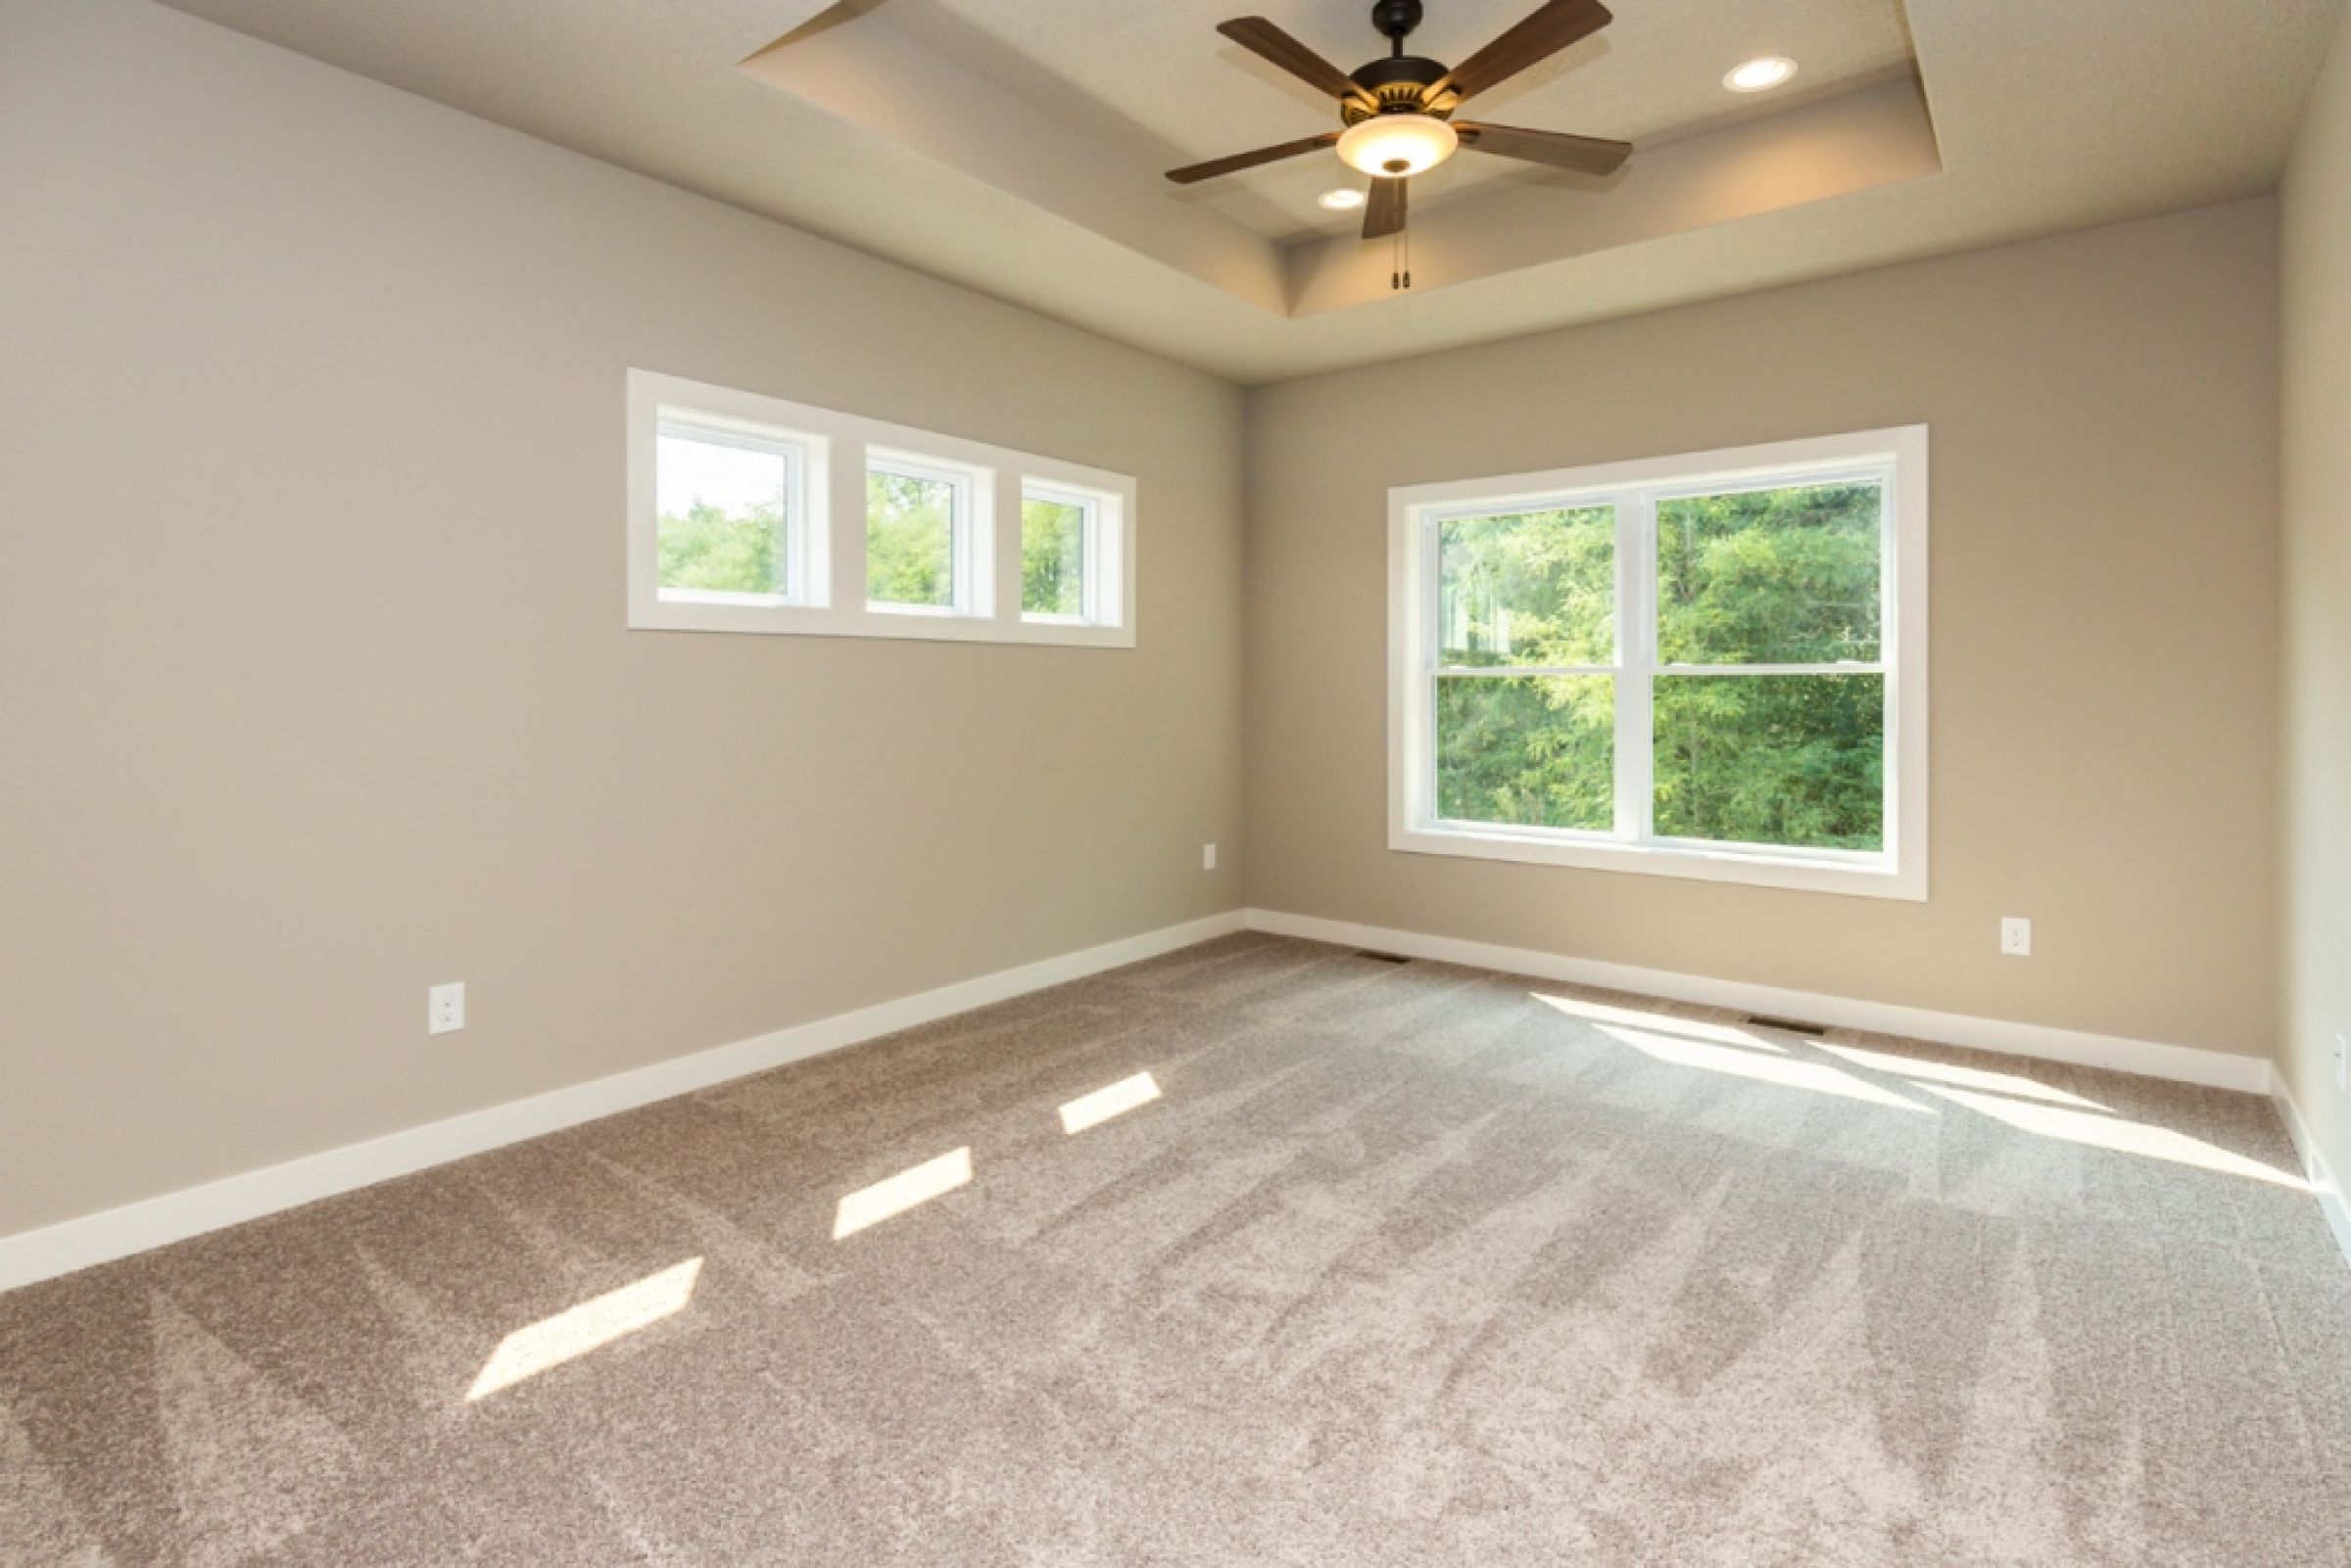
<point>2118,1136</point>
<point>590,1326</point>
<point>1817,1078</point>
<point>1657,1023</point>
<point>1093,1109</point>
<point>2015,1083</point>
<point>894,1195</point>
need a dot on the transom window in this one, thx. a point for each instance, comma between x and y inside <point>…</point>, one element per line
<point>918,535</point>
<point>1060,554</point>
<point>1711,666</point>
<point>731,499</point>
<point>751,514</point>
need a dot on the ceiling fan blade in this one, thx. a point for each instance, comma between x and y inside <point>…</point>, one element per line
<point>1250,160</point>
<point>1275,47</point>
<point>1384,214</point>
<point>1552,27</point>
<point>1586,155</point>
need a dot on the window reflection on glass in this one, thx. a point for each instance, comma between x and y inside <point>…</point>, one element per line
<point>1534,587</point>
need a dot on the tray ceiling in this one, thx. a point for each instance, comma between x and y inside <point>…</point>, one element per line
<point>1016,145</point>
<point>1181,93</point>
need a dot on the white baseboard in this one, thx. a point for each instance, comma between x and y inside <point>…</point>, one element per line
<point>2222,1070</point>
<point>98,1238</point>
<point>2333,1203</point>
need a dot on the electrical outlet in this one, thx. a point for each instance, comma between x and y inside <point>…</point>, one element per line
<point>1208,857</point>
<point>2016,936</point>
<point>445,1009</point>
<point>2342,1065</point>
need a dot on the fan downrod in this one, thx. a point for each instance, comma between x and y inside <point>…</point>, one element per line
<point>1395,18</point>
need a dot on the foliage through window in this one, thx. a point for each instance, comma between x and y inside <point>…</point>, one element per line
<point>916,521</point>
<point>1054,554</point>
<point>1650,668</point>
<point>726,509</point>
<point>747,513</point>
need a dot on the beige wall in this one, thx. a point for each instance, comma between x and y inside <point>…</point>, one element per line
<point>2317,250</point>
<point>2104,582</point>
<point>311,659</point>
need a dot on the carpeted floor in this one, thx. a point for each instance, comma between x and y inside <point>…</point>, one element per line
<point>1402,1264</point>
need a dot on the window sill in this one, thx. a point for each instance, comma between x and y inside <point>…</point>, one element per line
<point>899,624</point>
<point>1866,877</point>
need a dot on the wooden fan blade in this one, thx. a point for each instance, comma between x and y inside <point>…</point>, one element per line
<point>1552,27</point>
<point>1384,214</point>
<point>1250,160</point>
<point>1275,47</point>
<point>1586,155</point>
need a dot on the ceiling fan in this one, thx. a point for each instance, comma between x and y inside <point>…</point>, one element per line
<point>1397,112</point>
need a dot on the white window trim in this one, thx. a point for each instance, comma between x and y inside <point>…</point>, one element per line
<point>1898,872</point>
<point>830,599</point>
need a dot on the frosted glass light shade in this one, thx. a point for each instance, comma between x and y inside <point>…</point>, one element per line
<point>1392,146</point>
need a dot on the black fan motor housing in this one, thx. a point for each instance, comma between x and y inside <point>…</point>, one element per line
<point>1399,82</point>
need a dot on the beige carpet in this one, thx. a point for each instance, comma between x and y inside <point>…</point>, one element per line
<point>1403,1264</point>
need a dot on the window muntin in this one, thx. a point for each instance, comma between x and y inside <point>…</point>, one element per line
<point>795,535</point>
<point>918,535</point>
<point>732,504</point>
<point>1684,666</point>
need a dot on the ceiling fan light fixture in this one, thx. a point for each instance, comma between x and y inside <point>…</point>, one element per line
<point>1759,75</point>
<point>1395,146</point>
<point>1346,199</point>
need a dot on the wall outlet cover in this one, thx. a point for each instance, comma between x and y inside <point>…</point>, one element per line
<point>1208,857</point>
<point>445,1007</point>
<point>2016,936</point>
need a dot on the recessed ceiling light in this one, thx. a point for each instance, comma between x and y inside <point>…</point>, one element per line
<point>1343,200</point>
<point>1758,75</point>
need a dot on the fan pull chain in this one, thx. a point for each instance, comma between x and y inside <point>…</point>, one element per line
<point>1399,262</point>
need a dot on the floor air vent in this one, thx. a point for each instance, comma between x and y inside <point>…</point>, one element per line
<point>1792,1025</point>
<point>1381,958</point>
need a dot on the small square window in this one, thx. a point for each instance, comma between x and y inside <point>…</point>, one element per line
<point>730,516</point>
<point>918,525</point>
<point>1060,554</point>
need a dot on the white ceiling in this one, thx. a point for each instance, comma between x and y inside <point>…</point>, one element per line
<point>2046,114</point>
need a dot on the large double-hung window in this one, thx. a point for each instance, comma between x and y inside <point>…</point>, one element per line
<point>1711,666</point>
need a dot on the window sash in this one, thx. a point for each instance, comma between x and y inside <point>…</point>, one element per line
<point>710,430</point>
<point>1091,507</point>
<point>961,484</point>
<point>1638,667</point>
